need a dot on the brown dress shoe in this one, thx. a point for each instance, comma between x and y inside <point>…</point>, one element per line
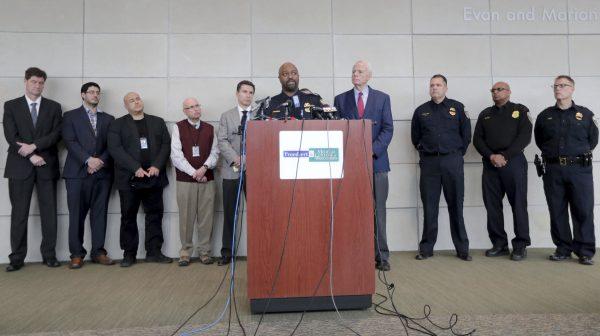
<point>103,259</point>
<point>76,263</point>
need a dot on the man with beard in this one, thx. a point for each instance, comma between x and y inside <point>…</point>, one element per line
<point>291,103</point>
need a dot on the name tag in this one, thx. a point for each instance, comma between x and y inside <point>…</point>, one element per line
<point>143,143</point>
<point>196,151</point>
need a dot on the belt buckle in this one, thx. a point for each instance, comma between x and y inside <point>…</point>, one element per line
<point>562,160</point>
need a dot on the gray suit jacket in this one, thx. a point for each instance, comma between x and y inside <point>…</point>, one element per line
<point>229,141</point>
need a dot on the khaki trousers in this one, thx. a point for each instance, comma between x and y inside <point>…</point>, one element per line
<point>196,210</point>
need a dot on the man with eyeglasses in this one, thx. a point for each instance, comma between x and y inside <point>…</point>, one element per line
<point>32,130</point>
<point>194,155</point>
<point>88,175</point>
<point>501,134</point>
<point>566,134</point>
<point>441,133</point>
<point>291,103</point>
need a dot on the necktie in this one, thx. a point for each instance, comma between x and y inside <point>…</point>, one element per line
<point>93,121</point>
<point>34,113</point>
<point>361,105</point>
<point>244,118</point>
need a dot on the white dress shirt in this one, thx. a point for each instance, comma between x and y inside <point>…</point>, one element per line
<point>38,101</point>
<point>179,160</point>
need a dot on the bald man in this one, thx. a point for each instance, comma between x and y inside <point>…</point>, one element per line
<point>501,134</point>
<point>194,154</point>
<point>140,145</point>
<point>292,103</point>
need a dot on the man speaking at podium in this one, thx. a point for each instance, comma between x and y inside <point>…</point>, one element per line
<point>363,102</point>
<point>291,103</point>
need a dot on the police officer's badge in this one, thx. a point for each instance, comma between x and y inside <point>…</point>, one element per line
<point>578,116</point>
<point>307,107</point>
<point>515,114</point>
<point>452,111</point>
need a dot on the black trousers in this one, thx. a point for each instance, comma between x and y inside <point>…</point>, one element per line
<point>20,192</point>
<point>445,172</point>
<point>571,188</point>
<point>230,190</point>
<point>152,201</point>
<point>89,194</point>
<point>510,180</point>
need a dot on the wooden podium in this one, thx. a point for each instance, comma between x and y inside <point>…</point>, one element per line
<point>301,281</point>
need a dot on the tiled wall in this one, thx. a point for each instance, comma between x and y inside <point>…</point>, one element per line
<point>170,49</point>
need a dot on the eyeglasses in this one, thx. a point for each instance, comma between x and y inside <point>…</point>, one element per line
<point>197,106</point>
<point>560,86</point>
<point>93,92</point>
<point>500,89</point>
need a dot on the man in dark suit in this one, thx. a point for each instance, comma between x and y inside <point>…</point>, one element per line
<point>87,174</point>
<point>32,129</point>
<point>140,145</point>
<point>363,102</point>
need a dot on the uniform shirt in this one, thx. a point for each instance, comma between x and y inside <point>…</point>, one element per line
<point>569,132</point>
<point>441,128</point>
<point>276,111</point>
<point>502,130</point>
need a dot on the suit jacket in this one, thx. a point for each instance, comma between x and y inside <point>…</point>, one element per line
<point>229,142</point>
<point>378,109</point>
<point>82,143</point>
<point>124,147</point>
<point>18,127</point>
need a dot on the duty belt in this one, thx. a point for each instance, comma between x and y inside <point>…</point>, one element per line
<point>566,160</point>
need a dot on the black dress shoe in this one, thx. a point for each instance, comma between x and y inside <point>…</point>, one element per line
<point>518,254</point>
<point>51,262</point>
<point>497,251</point>
<point>13,267</point>
<point>127,261</point>
<point>423,256</point>
<point>559,257</point>
<point>464,256</point>
<point>159,258</point>
<point>224,261</point>
<point>383,265</point>
<point>585,260</point>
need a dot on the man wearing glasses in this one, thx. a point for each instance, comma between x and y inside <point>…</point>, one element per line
<point>566,134</point>
<point>501,134</point>
<point>88,175</point>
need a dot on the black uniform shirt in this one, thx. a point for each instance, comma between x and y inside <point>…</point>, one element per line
<point>302,111</point>
<point>569,132</point>
<point>502,130</point>
<point>441,128</point>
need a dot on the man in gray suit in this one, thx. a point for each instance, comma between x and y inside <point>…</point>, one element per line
<point>231,129</point>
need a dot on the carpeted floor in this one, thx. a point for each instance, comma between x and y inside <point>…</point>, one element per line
<point>494,296</point>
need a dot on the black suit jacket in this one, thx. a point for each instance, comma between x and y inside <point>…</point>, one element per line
<point>18,127</point>
<point>82,143</point>
<point>124,147</point>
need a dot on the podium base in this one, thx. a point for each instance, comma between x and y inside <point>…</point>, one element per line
<point>299,304</point>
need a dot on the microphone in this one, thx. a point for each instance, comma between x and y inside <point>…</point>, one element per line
<point>261,105</point>
<point>287,105</point>
<point>296,101</point>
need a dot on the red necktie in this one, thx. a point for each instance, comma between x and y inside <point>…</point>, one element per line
<point>361,106</point>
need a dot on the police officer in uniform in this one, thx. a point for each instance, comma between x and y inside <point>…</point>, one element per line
<point>566,134</point>
<point>501,134</point>
<point>291,103</point>
<point>441,132</point>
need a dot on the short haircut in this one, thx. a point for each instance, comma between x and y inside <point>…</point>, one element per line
<point>87,85</point>
<point>35,72</point>
<point>245,82</point>
<point>567,77</point>
<point>440,76</point>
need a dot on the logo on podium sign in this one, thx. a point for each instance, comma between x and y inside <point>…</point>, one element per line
<point>311,155</point>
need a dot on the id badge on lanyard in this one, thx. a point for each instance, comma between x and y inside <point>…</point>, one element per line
<point>196,151</point>
<point>143,143</point>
